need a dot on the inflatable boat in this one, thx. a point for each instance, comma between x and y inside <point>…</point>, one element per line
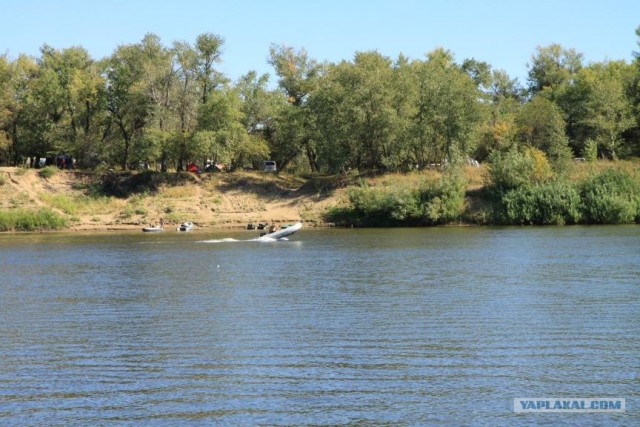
<point>283,232</point>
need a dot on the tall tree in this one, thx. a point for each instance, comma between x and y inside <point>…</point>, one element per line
<point>128,103</point>
<point>258,102</point>
<point>9,109</point>
<point>552,67</point>
<point>221,134</point>
<point>354,110</point>
<point>209,52</point>
<point>80,89</point>
<point>605,110</point>
<point>448,108</point>
<point>541,125</point>
<point>297,77</point>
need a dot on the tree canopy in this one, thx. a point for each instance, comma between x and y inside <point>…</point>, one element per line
<point>170,105</point>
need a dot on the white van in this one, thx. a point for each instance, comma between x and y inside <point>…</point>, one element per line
<point>269,166</point>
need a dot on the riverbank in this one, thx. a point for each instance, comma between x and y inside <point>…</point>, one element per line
<point>131,200</point>
<point>103,201</point>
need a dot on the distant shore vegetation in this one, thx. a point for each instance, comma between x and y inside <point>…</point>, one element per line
<point>166,107</point>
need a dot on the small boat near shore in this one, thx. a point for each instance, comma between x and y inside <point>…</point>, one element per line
<point>154,229</point>
<point>185,226</point>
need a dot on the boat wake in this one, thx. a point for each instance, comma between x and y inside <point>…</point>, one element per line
<point>275,236</point>
<point>257,239</point>
<point>227,240</point>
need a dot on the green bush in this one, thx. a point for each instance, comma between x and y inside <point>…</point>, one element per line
<point>443,202</point>
<point>404,204</point>
<point>47,172</point>
<point>515,169</point>
<point>382,206</point>
<point>549,203</point>
<point>31,220</point>
<point>611,197</point>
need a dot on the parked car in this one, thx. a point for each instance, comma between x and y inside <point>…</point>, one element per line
<point>269,166</point>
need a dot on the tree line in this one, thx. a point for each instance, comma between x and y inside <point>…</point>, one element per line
<point>170,105</point>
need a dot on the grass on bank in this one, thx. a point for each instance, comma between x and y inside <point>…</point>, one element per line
<point>31,220</point>
<point>47,172</point>
<point>79,204</point>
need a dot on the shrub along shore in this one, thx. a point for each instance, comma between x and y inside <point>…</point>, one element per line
<point>521,189</point>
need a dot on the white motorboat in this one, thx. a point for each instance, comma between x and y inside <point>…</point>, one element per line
<point>283,232</point>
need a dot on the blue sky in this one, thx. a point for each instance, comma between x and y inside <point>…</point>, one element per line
<point>503,33</point>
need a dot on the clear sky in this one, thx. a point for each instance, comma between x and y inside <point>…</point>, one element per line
<point>501,32</point>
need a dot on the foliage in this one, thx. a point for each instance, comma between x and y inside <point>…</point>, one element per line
<point>541,125</point>
<point>169,105</point>
<point>600,107</point>
<point>515,169</point>
<point>608,197</point>
<point>552,67</point>
<point>545,203</point>
<point>61,202</point>
<point>373,114</point>
<point>611,197</point>
<point>443,201</point>
<point>379,206</point>
<point>590,150</point>
<point>30,220</point>
<point>432,203</point>
<point>47,172</point>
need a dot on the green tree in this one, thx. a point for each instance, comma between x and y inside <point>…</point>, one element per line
<point>448,110</point>
<point>541,125</point>
<point>221,133</point>
<point>479,71</point>
<point>128,104</point>
<point>504,88</point>
<point>75,114</point>
<point>209,52</point>
<point>355,114</point>
<point>498,131</point>
<point>298,77</point>
<point>552,67</point>
<point>604,109</point>
<point>9,108</point>
<point>258,103</point>
<point>332,106</point>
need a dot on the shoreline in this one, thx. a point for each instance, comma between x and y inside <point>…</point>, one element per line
<point>81,201</point>
<point>306,225</point>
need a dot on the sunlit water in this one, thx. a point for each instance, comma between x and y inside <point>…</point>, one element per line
<point>440,326</point>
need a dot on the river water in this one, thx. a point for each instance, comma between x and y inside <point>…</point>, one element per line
<point>429,326</point>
